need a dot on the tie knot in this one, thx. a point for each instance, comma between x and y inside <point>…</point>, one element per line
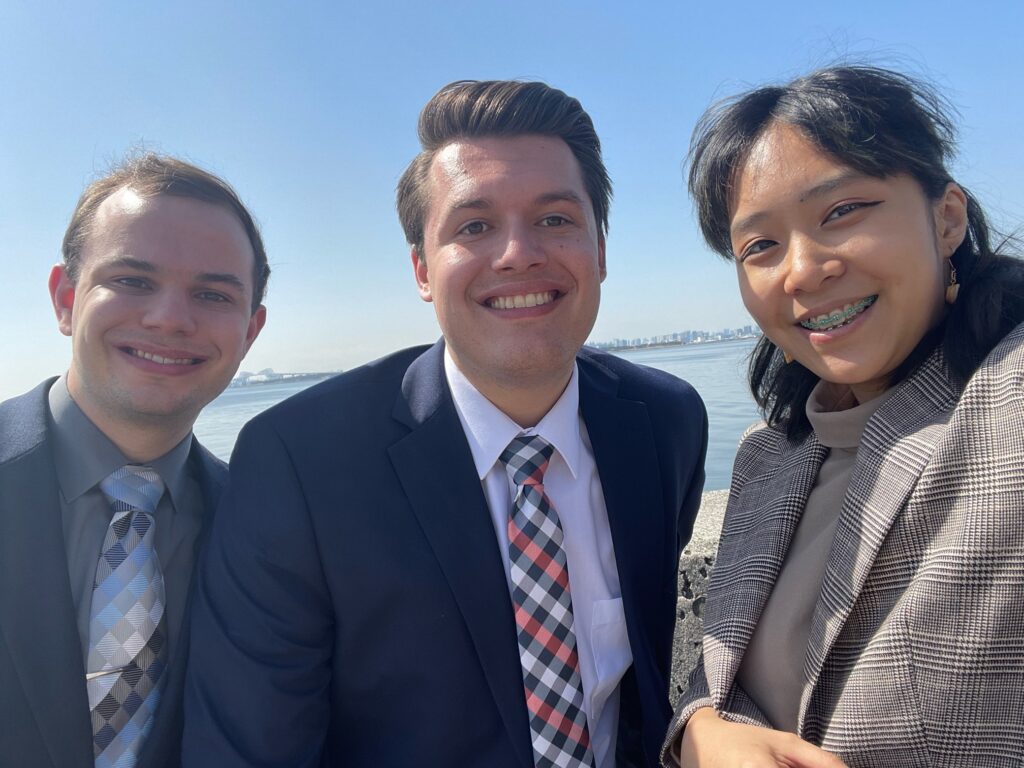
<point>135,487</point>
<point>526,458</point>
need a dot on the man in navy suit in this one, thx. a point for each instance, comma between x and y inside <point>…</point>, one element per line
<point>160,291</point>
<point>464,554</point>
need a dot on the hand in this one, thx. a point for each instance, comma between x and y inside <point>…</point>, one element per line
<point>710,742</point>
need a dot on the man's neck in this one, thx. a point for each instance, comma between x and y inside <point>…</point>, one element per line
<point>141,441</point>
<point>145,447</point>
<point>525,405</point>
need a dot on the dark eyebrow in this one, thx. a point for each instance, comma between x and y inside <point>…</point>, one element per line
<point>829,185</point>
<point>479,203</point>
<point>130,262</point>
<point>818,190</point>
<point>747,222</point>
<point>221,277</point>
<point>567,196</point>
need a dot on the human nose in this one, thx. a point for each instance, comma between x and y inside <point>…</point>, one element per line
<point>809,264</point>
<point>169,312</point>
<point>522,251</point>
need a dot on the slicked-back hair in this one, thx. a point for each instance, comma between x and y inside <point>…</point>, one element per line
<point>468,109</point>
<point>880,123</point>
<point>149,175</point>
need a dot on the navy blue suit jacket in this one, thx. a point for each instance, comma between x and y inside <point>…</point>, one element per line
<point>353,608</point>
<point>44,720</point>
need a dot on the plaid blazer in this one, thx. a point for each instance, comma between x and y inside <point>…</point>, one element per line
<point>916,648</point>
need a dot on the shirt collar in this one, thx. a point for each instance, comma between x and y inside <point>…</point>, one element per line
<point>489,430</point>
<point>84,455</point>
<point>835,426</point>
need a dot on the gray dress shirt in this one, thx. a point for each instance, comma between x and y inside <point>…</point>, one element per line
<point>83,456</point>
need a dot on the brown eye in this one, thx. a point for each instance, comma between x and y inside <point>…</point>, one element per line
<point>846,208</point>
<point>553,221</point>
<point>758,246</point>
<point>134,283</point>
<point>212,296</point>
<point>474,228</point>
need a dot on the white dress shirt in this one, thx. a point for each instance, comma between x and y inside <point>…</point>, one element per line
<point>572,484</point>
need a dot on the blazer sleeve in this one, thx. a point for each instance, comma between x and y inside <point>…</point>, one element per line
<point>259,669</point>
<point>738,708</point>
<point>697,695</point>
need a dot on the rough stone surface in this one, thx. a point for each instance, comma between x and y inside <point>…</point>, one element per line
<point>694,569</point>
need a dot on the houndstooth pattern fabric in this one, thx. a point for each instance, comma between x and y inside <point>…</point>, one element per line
<point>126,638</point>
<point>916,650</point>
<point>543,611</point>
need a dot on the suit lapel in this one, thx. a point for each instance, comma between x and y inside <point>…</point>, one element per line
<point>627,462</point>
<point>757,542</point>
<point>897,444</point>
<point>160,746</point>
<point>436,469</point>
<point>37,614</point>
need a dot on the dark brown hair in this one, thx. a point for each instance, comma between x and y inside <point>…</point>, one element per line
<point>149,175</point>
<point>479,108</point>
<point>881,123</point>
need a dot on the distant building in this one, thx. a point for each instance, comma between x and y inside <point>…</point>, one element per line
<point>679,338</point>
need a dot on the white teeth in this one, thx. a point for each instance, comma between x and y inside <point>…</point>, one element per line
<point>522,300</point>
<point>162,360</point>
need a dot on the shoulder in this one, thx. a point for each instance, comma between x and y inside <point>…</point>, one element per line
<point>350,392</point>
<point>996,390</point>
<point>1007,358</point>
<point>23,422</point>
<point>639,382</point>
<point>348,410</point>
<point>762,447</point>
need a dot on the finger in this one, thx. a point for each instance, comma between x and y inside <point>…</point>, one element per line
<point>802,754</point>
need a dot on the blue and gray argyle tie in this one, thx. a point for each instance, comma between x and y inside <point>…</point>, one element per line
<point>127,643</point>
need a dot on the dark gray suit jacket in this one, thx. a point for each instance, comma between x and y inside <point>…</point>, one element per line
<point>44,717</point>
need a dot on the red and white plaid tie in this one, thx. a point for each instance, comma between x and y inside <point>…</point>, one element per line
<point>543,606</point>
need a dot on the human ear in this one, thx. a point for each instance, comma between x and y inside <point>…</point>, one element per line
<point>62,295</point>
<point>256,323</point>
<point>601,264</point>
<point>950,219</point>
<point>419,270</point>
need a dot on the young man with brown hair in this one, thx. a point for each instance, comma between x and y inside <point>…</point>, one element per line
<point>464,554</point>
<point>105,497</point>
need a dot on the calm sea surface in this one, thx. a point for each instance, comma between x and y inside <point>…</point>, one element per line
<point>717,371</point>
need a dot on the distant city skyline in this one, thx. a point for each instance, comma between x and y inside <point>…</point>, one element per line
<point>676,337</point>
<point>310,111</point>
<point>681,337</point>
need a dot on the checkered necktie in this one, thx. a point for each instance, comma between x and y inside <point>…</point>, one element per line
<point>127,644</point>
<point>543,606</point>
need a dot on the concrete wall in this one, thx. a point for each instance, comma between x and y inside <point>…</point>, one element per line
<point>694,568</point>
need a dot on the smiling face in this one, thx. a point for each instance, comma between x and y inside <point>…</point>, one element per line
<point>843,271</point>
<point>160,315</point>
<point>513,263</point>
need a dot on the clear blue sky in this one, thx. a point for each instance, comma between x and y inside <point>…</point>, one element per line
<point>309,109</point>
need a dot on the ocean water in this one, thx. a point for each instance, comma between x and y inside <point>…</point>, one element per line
<point>717,371</point>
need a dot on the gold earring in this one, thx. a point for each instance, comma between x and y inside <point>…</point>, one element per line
<point>953,289</point>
